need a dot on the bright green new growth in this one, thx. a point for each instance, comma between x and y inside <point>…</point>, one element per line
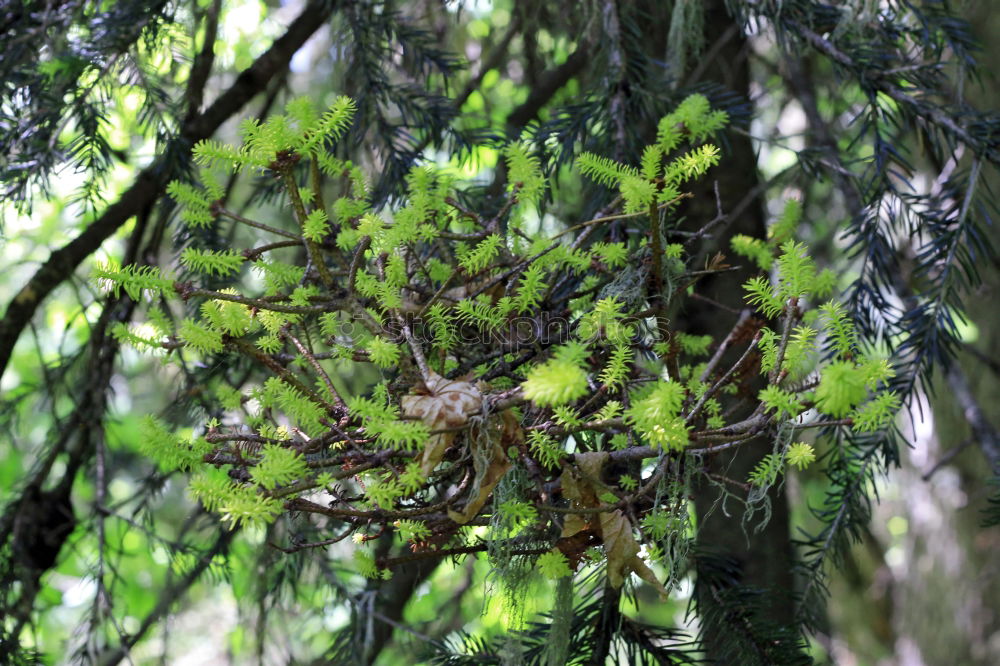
<point>278,466</point>
<point>841,387</point>
<point>555,383</point>
<point>657,182</point>
<point>553,565</point>
<point>656,416</point>
<point>208,262</point>
<point>300,130</point>
<point>524,173</point>
<point>137,281</point>
<point>388,367</point>
<point>800,455</point>
<point>167,449</point>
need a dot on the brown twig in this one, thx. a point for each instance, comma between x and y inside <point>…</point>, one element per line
<point>186,291</point>
<point>315,365</point>
<point>236,217</point>
<point>725,378</point>
<point>254,253</point>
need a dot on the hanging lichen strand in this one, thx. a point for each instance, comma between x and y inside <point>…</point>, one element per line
<point>535,403</point>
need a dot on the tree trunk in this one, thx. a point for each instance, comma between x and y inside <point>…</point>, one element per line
<point>762,552</point>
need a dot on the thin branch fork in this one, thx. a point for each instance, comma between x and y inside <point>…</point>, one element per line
<point>253,254</point>
<point>725,378</point>
<point>286,332</point>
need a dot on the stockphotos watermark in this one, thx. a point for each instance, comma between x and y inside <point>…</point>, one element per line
<point>516,332</point>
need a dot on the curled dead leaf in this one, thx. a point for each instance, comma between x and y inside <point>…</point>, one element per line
<point>614,528</point>
<point>580,492</point>
<point>441,404</point>
<point>622,551</point>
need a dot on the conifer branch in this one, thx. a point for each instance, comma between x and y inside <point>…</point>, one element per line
<point>312,248</point>
<point>150,181</point>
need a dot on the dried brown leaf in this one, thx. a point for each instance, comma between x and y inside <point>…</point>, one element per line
<point>441,404</point>
<point>619,545</point>
<point>579,491</point>
<point>486,480</point>
<point>623,552</point>
<point>614,528</point>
